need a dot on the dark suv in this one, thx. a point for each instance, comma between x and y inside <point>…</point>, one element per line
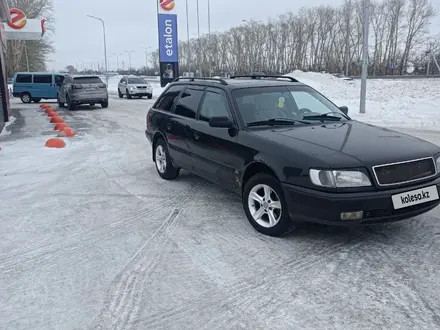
<point>292,154</point>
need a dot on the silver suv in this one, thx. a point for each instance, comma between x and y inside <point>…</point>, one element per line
<point>77,90</point>
<point>134,86</point>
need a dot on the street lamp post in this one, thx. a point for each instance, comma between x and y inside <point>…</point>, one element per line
<point>117,61</point>
<point>189,38</point>
<point>129,59</point>
<point>105,45</point>
<point>209,39</point>
<point>200,42</point>
<point>365,57</point>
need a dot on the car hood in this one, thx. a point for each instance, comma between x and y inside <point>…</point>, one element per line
<point>368,144</point>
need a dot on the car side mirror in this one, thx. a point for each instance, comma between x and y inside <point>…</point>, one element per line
<point>221,122</point>
<point>344,109</point>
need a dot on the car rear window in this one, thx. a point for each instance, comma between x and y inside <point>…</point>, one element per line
<point>87,80</point>
<point>136,81</point>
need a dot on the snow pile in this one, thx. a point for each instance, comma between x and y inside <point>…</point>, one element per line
<point>411,103</point>
<point>5,131</point>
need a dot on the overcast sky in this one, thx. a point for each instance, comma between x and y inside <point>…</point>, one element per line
<point>132,26</point>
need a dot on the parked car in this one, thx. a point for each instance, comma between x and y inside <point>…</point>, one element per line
<point>35,86</point>
<point>134,86</point>
<point>77,90</point>
<point>292,154</point>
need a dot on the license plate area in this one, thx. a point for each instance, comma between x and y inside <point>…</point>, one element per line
<point>415,197</point>
<point>90,89</point>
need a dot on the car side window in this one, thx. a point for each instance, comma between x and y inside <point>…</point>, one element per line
<point>23,78</point>
<point>214,104</point>
<point>189,102</point>
<point>59,79</point>
<point>42,79</point>
<point>166,100</point>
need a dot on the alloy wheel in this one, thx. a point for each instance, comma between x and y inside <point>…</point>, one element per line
<point>264,205</point>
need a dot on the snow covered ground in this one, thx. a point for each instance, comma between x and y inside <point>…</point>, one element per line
<point>91,238</point>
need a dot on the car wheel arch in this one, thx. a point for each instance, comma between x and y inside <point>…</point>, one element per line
<point>256,167</point>
<point>156,137</point>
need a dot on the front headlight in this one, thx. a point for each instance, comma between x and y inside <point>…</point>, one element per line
<point>437,161</point>
<point>131,88</point>
<point>339,179</point>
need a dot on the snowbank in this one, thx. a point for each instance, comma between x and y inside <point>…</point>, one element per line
<point>391,103</point>
<point>5,132</point>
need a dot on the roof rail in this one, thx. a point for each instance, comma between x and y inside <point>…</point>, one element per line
<point>222,81</point>
<point>265,76</point>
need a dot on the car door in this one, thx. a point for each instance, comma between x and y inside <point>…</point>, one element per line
<point>163,119</point>
<point>214,150</point>
<point>43,86</point>
<point>179,124</point>
<point>59,80</point>
<point>122,86</point>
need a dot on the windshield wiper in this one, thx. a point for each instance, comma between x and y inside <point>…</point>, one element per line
<point>325,116</point>
<point>276,121</point>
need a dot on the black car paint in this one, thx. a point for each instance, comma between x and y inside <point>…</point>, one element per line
<point>223,156</point>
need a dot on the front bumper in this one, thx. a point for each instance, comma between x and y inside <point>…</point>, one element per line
<point>140,92</point>
<point>307,205</point>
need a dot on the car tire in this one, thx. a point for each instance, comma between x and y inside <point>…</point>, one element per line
<point>150,96</point>
<point>36,100</point>
<point>104,105</point>
<point>120,94</point>
<point>128,94</point>
<point>70,105</point>
<point>26,98</point>
<point>164,165</point>
<point>267,212</point>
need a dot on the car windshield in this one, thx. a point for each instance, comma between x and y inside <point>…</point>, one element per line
<point>136,81</point>
<point>87,80</point>
<point>261,104</point>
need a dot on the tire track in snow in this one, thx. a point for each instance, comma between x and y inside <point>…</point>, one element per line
<point>39,253</point>
<point>243,292</point>
<point>122,308</point>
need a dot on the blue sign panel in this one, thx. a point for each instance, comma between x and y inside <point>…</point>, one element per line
<point>168,40</point>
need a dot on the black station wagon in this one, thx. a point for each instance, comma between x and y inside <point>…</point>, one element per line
<point>292,154</point>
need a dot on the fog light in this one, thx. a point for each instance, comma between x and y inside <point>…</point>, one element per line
<point>352,215</point>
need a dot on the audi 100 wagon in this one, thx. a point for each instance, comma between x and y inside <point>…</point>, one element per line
<point>292,154</point>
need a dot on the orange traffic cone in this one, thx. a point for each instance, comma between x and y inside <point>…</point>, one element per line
<point>60,127</point>
<point>68,131</point>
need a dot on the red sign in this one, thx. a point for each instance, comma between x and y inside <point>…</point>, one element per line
<point>18,19</point>
<point>167,4</point>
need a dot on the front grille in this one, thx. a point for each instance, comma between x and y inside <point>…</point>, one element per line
<point>404,172</point>
<point>142,87</point>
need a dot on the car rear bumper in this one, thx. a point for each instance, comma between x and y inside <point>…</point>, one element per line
<point>92,98</point>
<point>307,205</point>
